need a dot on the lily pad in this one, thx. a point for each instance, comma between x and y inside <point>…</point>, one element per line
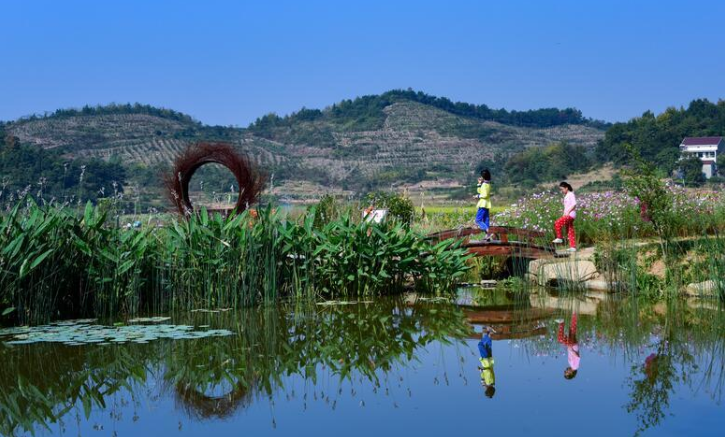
<point>149,319</point>
<point>22,342</point>
<point>82,332</point>
<point>205,310</point>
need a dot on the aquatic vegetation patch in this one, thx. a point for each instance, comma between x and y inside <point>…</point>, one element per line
<point>157,319</point>
<point>57,262</point>
<point>204,310</point>
<point>80,332</point>
<point>343,302</point>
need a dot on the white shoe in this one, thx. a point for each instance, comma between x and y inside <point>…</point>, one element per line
<point>557,241</point>
<point>572,249</point>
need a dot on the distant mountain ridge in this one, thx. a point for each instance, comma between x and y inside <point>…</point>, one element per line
<point>398,136</point>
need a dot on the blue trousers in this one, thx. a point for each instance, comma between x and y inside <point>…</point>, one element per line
<point>482,219</point>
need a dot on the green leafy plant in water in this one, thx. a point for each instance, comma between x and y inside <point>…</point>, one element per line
<point>56,263</point>
<point>399,207</point>
<point>644,183</point>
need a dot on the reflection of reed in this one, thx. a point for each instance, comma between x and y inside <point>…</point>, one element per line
<point>212,379</point>
<point>360,342</point>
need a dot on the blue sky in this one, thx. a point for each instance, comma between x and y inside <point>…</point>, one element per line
<point>228,62</point>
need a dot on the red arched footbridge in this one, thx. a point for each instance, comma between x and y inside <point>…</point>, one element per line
<point>506,241</point>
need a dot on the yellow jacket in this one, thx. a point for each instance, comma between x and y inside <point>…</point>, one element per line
<point>487,374</point>
<point>484,195</point>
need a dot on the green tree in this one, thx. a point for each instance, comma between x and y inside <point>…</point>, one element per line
<point>399,207</point>
<point>657,138</point>
<point>553,162</point>
<point>692,174</point>
<point>643,182</point>
<point>46,174</point>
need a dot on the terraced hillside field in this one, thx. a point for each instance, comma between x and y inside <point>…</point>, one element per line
<point>418,138</point>
<point>403,141</point>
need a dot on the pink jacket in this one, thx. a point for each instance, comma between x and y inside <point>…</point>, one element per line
<point>570,204</point>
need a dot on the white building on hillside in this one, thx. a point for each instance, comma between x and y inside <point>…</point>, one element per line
<point>705,148</point>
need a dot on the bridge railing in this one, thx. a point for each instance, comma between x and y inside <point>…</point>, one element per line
<point>502,232</point>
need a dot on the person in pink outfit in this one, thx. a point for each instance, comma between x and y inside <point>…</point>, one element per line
<point>572,347</point>
<point>568,218</point>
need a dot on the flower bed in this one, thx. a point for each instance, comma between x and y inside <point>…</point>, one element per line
<point>613,214</point>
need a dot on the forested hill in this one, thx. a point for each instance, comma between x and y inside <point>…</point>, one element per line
<point>368,112</point>
<point>45,174</point>
<point>360,144</point>
<point>657,137</point>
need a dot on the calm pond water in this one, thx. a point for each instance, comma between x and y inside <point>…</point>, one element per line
<point>395,365</point>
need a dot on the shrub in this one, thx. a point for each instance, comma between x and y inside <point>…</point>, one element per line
<point>399,207</point>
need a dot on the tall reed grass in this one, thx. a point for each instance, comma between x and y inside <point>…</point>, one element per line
<point>693,265</point>
<point>55,262</point>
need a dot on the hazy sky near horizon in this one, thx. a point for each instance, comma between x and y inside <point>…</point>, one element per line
<point>228,62</point>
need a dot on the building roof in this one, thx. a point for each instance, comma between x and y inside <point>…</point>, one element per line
<point>707,162</point>
<point>701,141</point>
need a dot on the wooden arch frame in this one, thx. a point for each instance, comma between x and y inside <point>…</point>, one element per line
<point>196,155</point>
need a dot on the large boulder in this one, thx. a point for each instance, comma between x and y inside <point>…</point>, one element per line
<point>704,289</point>
<point>551,271</point>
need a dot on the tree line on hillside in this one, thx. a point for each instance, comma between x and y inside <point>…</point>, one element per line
<point>116,109</point>
<point>544,117</point>
<point>366,113</point>
<point>41,173</point>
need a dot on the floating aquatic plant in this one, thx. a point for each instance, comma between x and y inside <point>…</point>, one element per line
<point>157,319</point>
<point>79,332</point>
<point>343,302</point>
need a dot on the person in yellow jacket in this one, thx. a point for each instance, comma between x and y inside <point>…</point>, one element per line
<point>488,376</point>
<point>484,202</point>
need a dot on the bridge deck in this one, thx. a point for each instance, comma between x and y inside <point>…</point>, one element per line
<point>528,244</point>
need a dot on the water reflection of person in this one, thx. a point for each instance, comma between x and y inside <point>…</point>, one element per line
<point>650,366</point>
<point>488,377</point>
<point>572,347</point>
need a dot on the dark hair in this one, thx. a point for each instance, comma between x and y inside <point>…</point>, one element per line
<point>485,174</point>
<point>490,391</point>
<point>567,186</point>
<point>569,373</point>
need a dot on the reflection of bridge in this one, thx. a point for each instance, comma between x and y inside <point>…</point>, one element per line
<point>510,322</point>
<point>527,244</point>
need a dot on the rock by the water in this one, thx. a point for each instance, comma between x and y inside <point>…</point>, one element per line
<point>704,289</point>
<point>551,271</point>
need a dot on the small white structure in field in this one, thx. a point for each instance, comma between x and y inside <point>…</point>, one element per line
<point>374,216</point>
<point>705,148</point>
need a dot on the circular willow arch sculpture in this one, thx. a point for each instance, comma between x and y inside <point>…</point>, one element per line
<point>185,165</point>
